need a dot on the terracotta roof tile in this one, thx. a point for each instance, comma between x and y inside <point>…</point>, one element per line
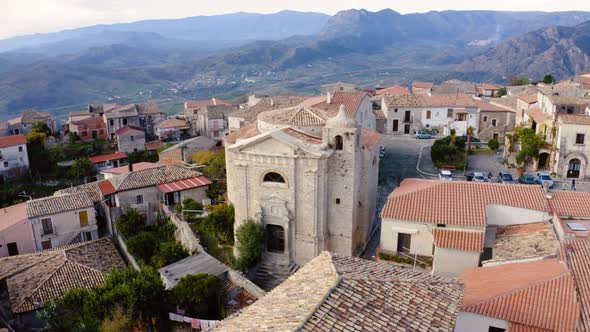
<point>129,129</point>
<point>488,107</point>
<point>245,132</point>
<point>393,90</point>
<point>379,115</point>
<point>526,241</point>
<point>570,203</point>
<point>91,189</point>
<point>107,157</point>
<point>267,104</point>
<point>106,187</point>
<point>184,184</point>
<point>538,115</point>
<point>538,294</point>
<point>370,138</point>
<point>6,141</point>
<point>577,255</point>
<point>418,100</point>
<point>422,85</point>
<point>33,279</point>
<point>204,103</point>
<point>529,99</point>
<point>173,123</point>
<point>152,176</point>
<point>302,136</point>
<point>577,119</point>
<point>351,101</point>
<point>457,202</point>
<point>458,239</point>
<point>333,293</point>
<point>153,145</point>
<point>56,204</point>
<point>136,167</point>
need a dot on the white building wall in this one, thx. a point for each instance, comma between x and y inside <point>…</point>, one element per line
<point>150,207</point>
<point>502,215</point>
<point>452,262</point>
<point>470,322</point>
<point>11,159</point>
<point>66,226</point>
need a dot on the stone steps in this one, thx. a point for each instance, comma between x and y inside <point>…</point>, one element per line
<point>268,275</point>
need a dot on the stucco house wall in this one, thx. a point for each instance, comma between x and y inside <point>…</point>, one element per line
<point>504,123</point>
<point>66,227</point>
<point>452,262</point>
<point>149,207</point>
<point>131,141</point>
<point>470,322</point>
<point>14,159</point>
<point>19,233</point>
<point>568,149</point>
<point>502,215</point>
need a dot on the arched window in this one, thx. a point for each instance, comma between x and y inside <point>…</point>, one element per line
<point>338,142</point>
<point>273,177</point>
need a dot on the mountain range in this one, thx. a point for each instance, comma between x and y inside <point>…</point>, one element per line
<point>230,55</point>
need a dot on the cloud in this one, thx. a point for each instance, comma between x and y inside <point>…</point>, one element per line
<point>37,16</point>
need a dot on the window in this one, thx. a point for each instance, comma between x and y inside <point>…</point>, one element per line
<point>273,177</point>
<point>112,122</point>
<point>485,119</point>
<point>449,113</point>
<point>6,164</point>
<point>496,329</point>
<point>47,226</point>
<point>20,149</point>
<point>395,110</point>
<point>404,242</point>
<point>84,134</point>
<point>124,122</point>
<point>132,138</point>
<point>495,136</point>
<point>46,245</point>
<point>338,201</point>
<point>12,248</point>
<point>338,142</point>
<point>428,114</point>
<point>94,134</point>
<point>579,138</point>
<point>494,122</point>
<point>16,131</point>
<point>87,236</point>
<point>138,199</point>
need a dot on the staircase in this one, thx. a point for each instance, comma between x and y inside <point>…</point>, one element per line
<point>269,275</point>
<point>73,237</point>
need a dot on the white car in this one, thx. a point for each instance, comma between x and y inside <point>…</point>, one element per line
<point>479,177</point>
<point>445,175</point>
<point>545,180</point>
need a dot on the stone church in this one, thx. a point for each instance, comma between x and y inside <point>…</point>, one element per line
<point>309,174</point>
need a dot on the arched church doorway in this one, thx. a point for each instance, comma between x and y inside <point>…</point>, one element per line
<point>275,238</point>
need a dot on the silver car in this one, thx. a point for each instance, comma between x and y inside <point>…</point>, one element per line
<point>545,180</point>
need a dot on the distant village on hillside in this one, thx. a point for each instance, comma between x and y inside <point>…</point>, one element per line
<point>456,206</point>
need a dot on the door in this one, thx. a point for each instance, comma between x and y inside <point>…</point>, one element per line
<point>46,245</point>
<point>573,169</point>
<point>12,249</point>
<point>276,238</point>
<point>406,129</point>
<point>83,216</point>
<point>408,116</point>
<point>404,242</point>
<point>395,125</point>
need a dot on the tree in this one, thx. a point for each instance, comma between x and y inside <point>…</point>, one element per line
<point>220,223</point>
<point>130,223</point>
<point>530,143</point>
<point>250,236</point>
<point>453,136</point>
<point>143,245</point>
<point>519,80</point>
<point>72,312</point>
<point>470,133</point>
<point>493,144</point>
<point>81,168</point>
<point>198,295</point>
<point>548,79</point>
<point>502,92</point>
<point>169,252</point>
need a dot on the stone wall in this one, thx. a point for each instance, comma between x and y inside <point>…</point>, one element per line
<point>184,234</point>
<point>123,246</point>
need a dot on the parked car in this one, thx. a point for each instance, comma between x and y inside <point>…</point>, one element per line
<point>445,175</point>
<point>473,139</point>
<point>505,178</point>
<point>527,179</point>
<point>479,177</point>
<point>422,135</point>
<point>545,180</point>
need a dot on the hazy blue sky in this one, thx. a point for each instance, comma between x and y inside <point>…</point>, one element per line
<point>31,16</point>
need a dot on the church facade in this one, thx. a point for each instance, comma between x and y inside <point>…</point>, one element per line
<point>309,174</point>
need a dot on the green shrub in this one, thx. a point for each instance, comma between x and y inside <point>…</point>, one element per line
<point>493,144</point>
<point>198,295</point>
<point>143,245</point>
<point>166,231</point>
<point>170,252</point>
<point>130,223</point>
<point>220,223</point>
<point>250,236</point>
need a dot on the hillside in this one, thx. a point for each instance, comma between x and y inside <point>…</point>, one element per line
<point>562,51</point>
<point>117,64</point>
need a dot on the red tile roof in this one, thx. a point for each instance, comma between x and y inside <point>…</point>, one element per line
<point>487,86</point>
<point>302,136</point>
<point>106,187</point>
<point>370,138</point>
<point>245,132</point>
<point>351,101</point>
<point>106,157</point>
<point>538,115</point>
<point>153,145</point>
<point>577,255</point>
<point>457,203</point>
<point>422,85</point>
<point>97,122</point>
<point>539,294</point>
<point>173,123</point>
<point>529,99</point>
<point>204,103</point>
<point>570,204</point>
<point>190,183</point>
<point>458,239</point>
<point>488,107</point>
<point>136,167</point>
<point>6,141</point>
<point>393,90</point>
<point>124,130</point>
<point>577,119</point>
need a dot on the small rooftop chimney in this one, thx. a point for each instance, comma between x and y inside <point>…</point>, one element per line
<point>328,97</point>
<point>214,101</point>
<point>130,167</point>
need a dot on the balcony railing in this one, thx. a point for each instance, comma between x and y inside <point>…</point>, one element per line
<point>46,231</point>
